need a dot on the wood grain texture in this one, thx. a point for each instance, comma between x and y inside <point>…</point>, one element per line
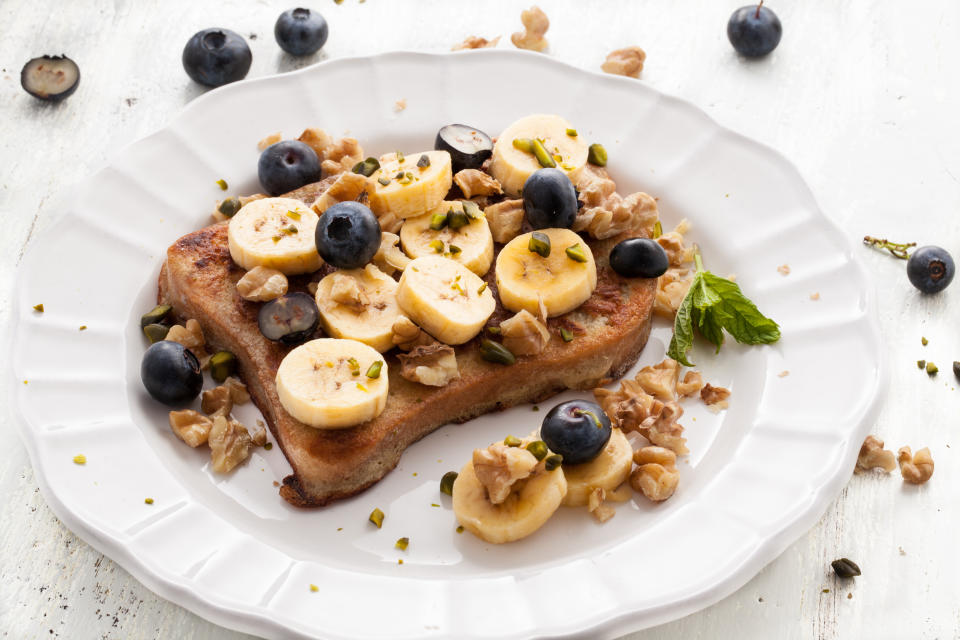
<point>861,96</point>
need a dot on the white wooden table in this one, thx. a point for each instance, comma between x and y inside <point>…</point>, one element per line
<point>863,96</point>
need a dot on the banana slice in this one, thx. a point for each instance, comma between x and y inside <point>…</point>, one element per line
<point>524,277</point>
<point>410,189</point>
<point>512,166</point>
<point>323,383</point>
<point>608,470</point>
<point>277,233</point>
<point>448,300</point>
<point>471,245</point>
<point>523,512</point>
<point>359,304</point>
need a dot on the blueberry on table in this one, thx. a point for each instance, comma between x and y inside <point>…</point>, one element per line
<point>578,430</point>
<point>290,319</point>
<point>348,235</point>
<point>930,269</point>
<point>639,258</point>
<point>300,32</point>
<point>287,165</point>
<point>214,57</point>
<point>549,199</point>
<point>171,373</point>
<point>50,78</point>
<point>468,146</point>
<point>754,30</point>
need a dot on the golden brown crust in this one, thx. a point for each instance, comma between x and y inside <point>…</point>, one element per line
<point>199,280</point>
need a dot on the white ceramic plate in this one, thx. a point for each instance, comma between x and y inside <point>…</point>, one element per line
<point>228,548</point>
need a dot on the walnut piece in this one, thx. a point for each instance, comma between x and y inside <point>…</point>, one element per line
<point>601,512</point>
<point>347,292</point>
<point>273,138</point>
<point>434,365</point>
<point>660,380</point>
<point>316,139</point>
<point>664,430</point>
<point>262,284</point>
<point>672,288</point>
<point>348,186</point>
<point>389,258</point>
<point>605,213</point>
<point>715,397</point>
<point>505,219</point>
<point>259,437</point>
<point>677,253</point>
<point>190,426</point>
<point>474,182</point>
<point>524,334</point>
<point>625,62</point>
<point>629,406</point>
<point>238,390</point>
<point>190,336</point>
<point>475,42</point>
<point>535,24</point>
<point>408,335</point>
<point>691,384</point>
<point>400,105</point>
<point>873,456</point>
<point>784,269</point>
<point>229,444</point>
<point>657,476</point>
<point>216,402</point>
<point>341,156</point>
<point>498,467</point>
<point>916,468</point>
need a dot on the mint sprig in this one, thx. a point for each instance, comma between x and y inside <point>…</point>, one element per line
<point>712,305</point>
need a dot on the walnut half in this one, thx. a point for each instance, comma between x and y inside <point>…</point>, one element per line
<point>434,365</point>
<point>625,62</point>
<point>262,284</point>
<point>535,24</point>
<point>190,426</point>
<point>229,444</point>
<point>505,220</point>
<point>874,456</point>
<point>474,182</point>
<point>524,334</point>
<point>916,468</point>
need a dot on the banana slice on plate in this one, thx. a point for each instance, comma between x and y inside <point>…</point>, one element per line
<point>512,166</point>
<point>277,233</point>
<point>408,186</point>
<point>446,299</point>
<point>564,283</point>
<point>607,471</point>
<point>359,304</point>
<point>450,232</point>
<point>324,383</point>
<point>523,512</point>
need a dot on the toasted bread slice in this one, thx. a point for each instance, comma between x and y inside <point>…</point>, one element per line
<point>610,330</point>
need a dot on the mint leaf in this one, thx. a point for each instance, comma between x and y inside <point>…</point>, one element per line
<point>683,330</point>
<point>738,315</point>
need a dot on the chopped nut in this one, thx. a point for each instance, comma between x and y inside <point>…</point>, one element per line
<point>433,365</point>
<point>715,397</point>
<point>348,186</point>
<point>259,437</point>
<point>474,182</point>
<point>873,456</point>
<point>691,384</point>
<point>238,390</point>
<point>677,253</point>
<point>400,105</point>
<point>273,138</point>
<point>316,139</point>
<point>262,284</point>
<point>672,288</point>
<point>505,220</point>
<point>475,42</point>
<point>190,336</point>
<point>605,213</point>
<point>629,406</point>
<point>408,335</point>
<point>916,468</point>
<point>663,429</point>
<point>389,257</point>
<point>601,512</point>
<point>524,334</point>
<point>341,156</point>
<point>657,476</point>
<point>347,292</point>
<point>784,269</point>
<point>216,402</point>
<point>783,374</point>
<point>660,380</point>
<point>625,62</point>
<point>229,444</point>
<point>815,295</point>
<point>498,467</point>
<point>535,24</point>
<point>190,426</point>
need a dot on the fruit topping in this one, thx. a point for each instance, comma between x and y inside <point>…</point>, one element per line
<point>286,166</point>
<point>930,269</point>
<point>50,78</point>
<point>549,199</point>
<point>214,57</point>
<point>348,235</point>
<point>171,373</point>
<point>639,258</point>
<point>300,32</point>
<point>754,30</point>
<point>578,430</point>
<point>290,319</point>
<point>468,146</point>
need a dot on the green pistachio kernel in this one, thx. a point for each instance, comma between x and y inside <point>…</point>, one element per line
<point>495,352</point>
<point>400,158</point>
<point>439,220</point>
<point>657,230</point>
<point>539,243</point>
<point>472,209</point>
<point>542,155</point>
<point>566,335</point>
<point>572,133</point>
<point>454,249</point>
<point>921,364</point>
<point>155,315</point>
<point>597,155</point>
<point>383,180</point>
<point>374,370</point>
<point>155,332</point>
<point>446,482</point>
<point>376,517</point>
<point>523,144</point>
<point>575,253</point>
<point>552,462</point>
<point>222,184</point>
<point>494,330</point>
<point>457,219</point>
<point>402,543</point>
<point>460,529</point>
<point>932,369</point>
<point>436,245</point>
<point>481,289</point>
<point>538,448</point>
<point>367,167</point>
<point>424,161</point>
<point>38,308</point>
<point>230,206</point>
<point>223,364</point>
<point>294,215</point>
<point>512,441</point>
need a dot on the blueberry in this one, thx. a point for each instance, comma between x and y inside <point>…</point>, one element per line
<point>930,269</point>
<point>578,430</point>
<point>639,258</point>
<point>171,373</point>
<point>300,32</point>
<point>290,319</point>
<point>549,199</point>
<point>754,30</point>
<point>348,235</point>
<point>287,165</point>
<point>214,57</point>
<point>50,78</point>
<point>468,146</point>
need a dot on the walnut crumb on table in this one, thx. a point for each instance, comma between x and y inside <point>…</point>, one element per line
<point>535,24</point>
<point>916,468</point>
<point>475,42</point>
<point>784,269</point>
<point>783,374</point>
<point>400,105</point>
<point>625,62</point>
<point>815,296</point>
<point>873,456</point>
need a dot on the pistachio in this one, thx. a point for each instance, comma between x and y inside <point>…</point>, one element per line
<point>931,369</point>
<point>921,364</point>
<point>155,332</point>
<point>495,352</point>
<point>376,517</point>
<point>575,253</point>
<point>374,370</point>
<point>565,334</point>
<point>494,330</point>
<point>424,161</point>
<point>538,448</point>
<point>38,308</point>
<point>230,206</point>
<point>446,482</point>
<point>512,441</point>
<point>436,245</point>
<point>457,219</point>
<point>572,133</point>
<point>222,184</point>
<point>439,220</point>
<point>472,209</point>
<point>924,341</point>
<point>384,181</point>
<point>523,144</point>
<point>539,244</point>
<point>552,462</point>
<point>597,155</point>
<point>366,167</point>
<point>404,542</point>
<point>155,315</point>
<point>542,155</point>
<point>657,230</point>
<point>845,568</point>
<point>223,364</point>
<point>454,249</point>
<point>483,287</point>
